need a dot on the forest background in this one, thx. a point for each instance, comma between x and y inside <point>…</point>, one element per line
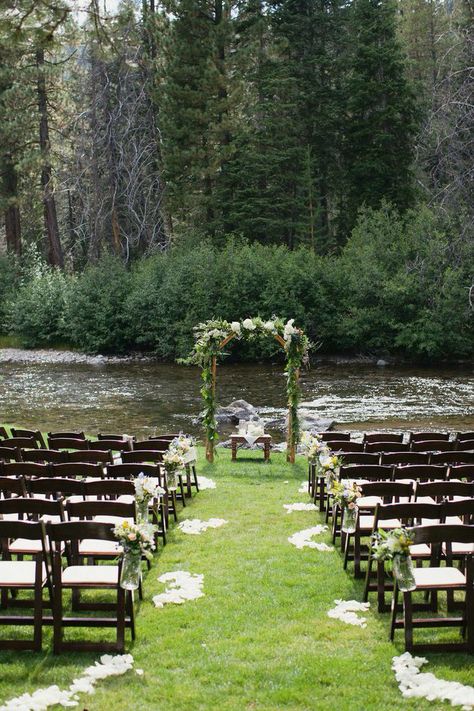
<point>182,160</point>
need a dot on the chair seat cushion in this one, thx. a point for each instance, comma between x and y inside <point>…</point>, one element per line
<point>420,550</point>
<point>112,519</point>
<point>454,520</point>
<point>460,548</point>
<point>94,546</point>
<point>366,523</point>
<point>368,502</point>
<point>438,577</point>
<point>14,573</point>
<point>90,575</point>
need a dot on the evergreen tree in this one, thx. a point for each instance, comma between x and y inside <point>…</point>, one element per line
<point>381,112</point>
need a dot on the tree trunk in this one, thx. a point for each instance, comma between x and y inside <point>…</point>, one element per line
<point>12,212</point>
<point>53,244</point>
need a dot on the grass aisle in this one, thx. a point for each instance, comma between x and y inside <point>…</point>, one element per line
<point>260,638</point>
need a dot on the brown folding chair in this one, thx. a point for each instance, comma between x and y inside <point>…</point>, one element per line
<point>420,472</point>
<point>387,492</point>
<point>440,490</point>
<point>463,436</point>
<point>465,445</point>
<point>68,443</point>
<point>76,470</point>
<point>19,442</point>
<point>10,486</point>
<point>383,437</point>
<point>77,577</point>
<point>25,469</point>
<point>168,503</point>
<point>23,575</point>
<point>66,435</point>
<point>433,445</point>
<point>452,458</point>
<point>405,458</point>
<point>35,434</point>
<point>387,447</point>
<point>56,487</point>
<point>432,580</point>
<point>90,456</point>
<point>9,454</point>
<point>157,445</point>
<point>462,471</point>
<point>331,436</point>
<point>429,436</point>
<point>46,456</point>
<point>408,514</point>
<point>112,445</point>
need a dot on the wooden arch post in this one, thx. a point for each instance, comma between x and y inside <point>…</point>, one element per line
<point>290,447</point>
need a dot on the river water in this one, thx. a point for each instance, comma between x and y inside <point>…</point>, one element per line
<point>147,397</point>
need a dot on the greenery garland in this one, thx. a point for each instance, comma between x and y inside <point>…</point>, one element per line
<point>211,336</point>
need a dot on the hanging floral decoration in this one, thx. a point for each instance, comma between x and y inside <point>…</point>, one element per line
<point>212,337</point>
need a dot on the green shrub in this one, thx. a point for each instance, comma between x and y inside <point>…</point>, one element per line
<point>94,309</point>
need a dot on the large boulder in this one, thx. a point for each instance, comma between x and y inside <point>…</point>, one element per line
<point>237,410</point>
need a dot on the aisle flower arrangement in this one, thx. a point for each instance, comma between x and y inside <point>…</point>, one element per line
<point>173,462</point>
<point>146,489</point>
<point>395,546</point>
<point>137,540</point>
<point>346,496</point>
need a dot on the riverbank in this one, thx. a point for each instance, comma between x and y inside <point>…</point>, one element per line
<point>11,354</point>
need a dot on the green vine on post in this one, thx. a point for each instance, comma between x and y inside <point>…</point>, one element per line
<point>212,336</point>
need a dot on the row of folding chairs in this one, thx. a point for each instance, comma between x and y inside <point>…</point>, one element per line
<point>387,472</point>
<point>440,515</point>
<point>400,437</point>
<point>64,525</point>
<point>58,565</point>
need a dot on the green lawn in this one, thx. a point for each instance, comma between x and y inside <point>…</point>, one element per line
<point>260,638</point>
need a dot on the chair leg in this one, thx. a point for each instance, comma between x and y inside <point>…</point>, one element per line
<point>131,612</point>
<point>408,621</point>
<point>346,550</point>
<point>120,620</point>
<point>367,579</point>
<point>195,478</point>
<point>393,618</point>
<point>38,617</point>
<point>57,619</point>
<point>380,583</point>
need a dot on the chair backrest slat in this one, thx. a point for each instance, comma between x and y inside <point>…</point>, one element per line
<point>443,533</point>
<point>141,456</point>
<point>383,437</point>
<point>43,455</point>
<point>421,472</point>
<point>366,471</point>
<point>67,443</point>
<point>405,458</point>
<point>386,447</point>
<point>433,445</point>
<point>429,436</point>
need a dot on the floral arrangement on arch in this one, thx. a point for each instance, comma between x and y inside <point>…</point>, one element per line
<point>212,336</point>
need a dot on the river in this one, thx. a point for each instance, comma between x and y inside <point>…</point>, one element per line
<point>145,398</point>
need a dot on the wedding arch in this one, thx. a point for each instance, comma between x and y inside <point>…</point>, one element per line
<point>213,336</point>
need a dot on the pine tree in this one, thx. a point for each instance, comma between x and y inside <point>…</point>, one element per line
<point>381,112</point>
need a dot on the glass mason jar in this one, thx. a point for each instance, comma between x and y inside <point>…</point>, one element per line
<point>403,572</point>
<point>349,519</point>
<point>172,476</point>
<point>142,510</point>
<point>330,479</point>
<point>131,569</point>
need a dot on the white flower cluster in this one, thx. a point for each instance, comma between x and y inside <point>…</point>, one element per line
<point>146,488</point>
<point>346,610</point>
<point>182,444</point>
<point>172,459</point>
<point>313,446</point>
<point>205,483</point>
<point>289,330</point>
<point>302,539</point>
<point>195,526</point>
<point>299,507</point>
<point>109,665</point>
<point>182,586</point>
<point>416,685</point>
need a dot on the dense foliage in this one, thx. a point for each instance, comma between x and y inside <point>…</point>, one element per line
<point>398,286</point>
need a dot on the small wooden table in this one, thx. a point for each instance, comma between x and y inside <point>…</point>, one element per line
<point>265,439</point>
